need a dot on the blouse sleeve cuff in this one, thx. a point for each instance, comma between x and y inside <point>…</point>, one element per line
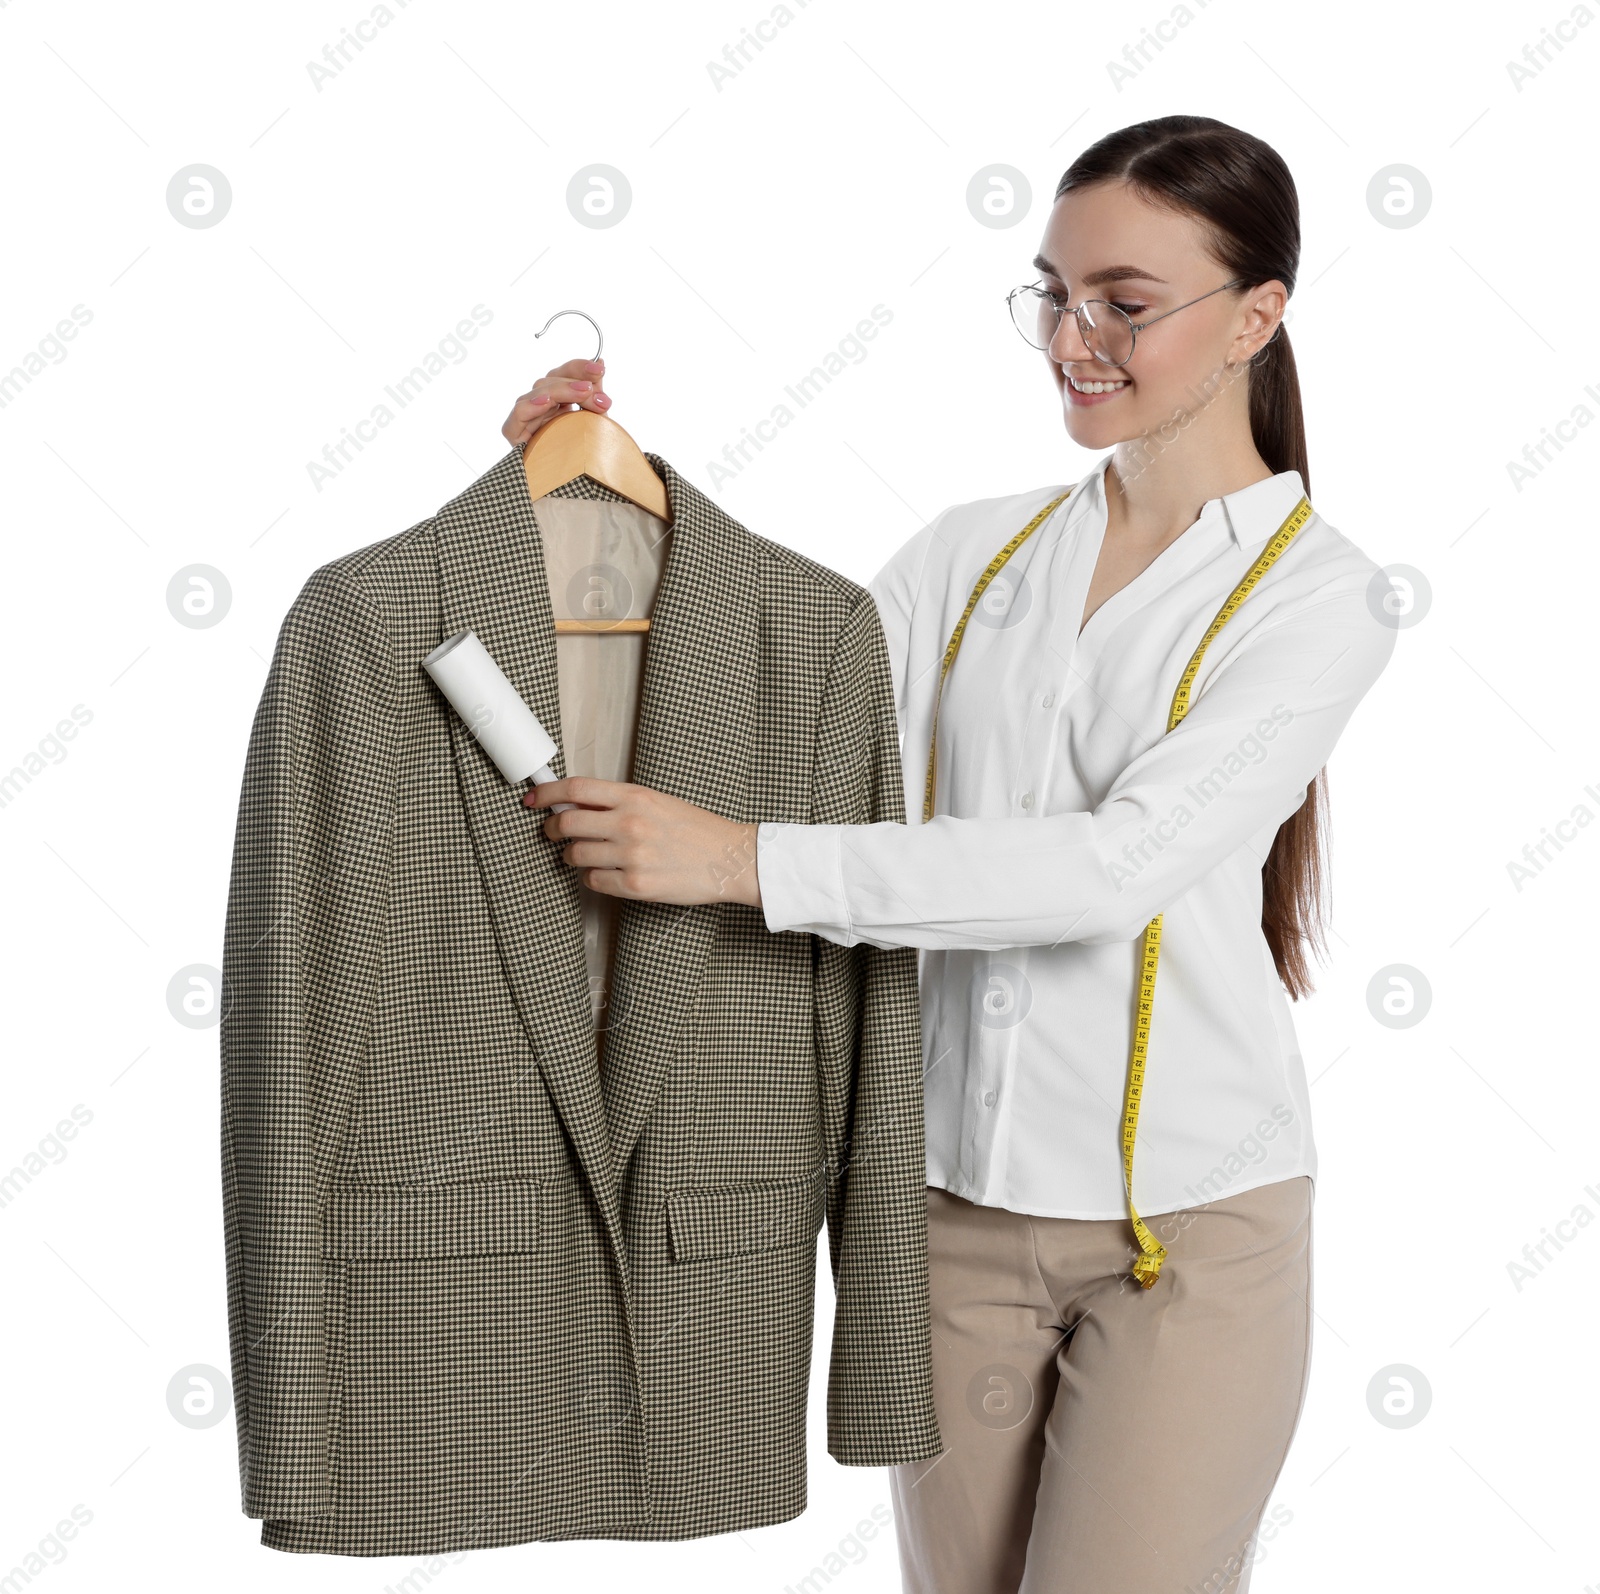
<point>800,870</point>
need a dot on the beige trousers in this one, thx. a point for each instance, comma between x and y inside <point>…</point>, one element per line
<point>1101,1438</point>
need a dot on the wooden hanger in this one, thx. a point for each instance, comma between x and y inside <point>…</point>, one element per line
<point>582,443</point>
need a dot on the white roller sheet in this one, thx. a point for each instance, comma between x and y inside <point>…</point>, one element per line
<point>492,708</point>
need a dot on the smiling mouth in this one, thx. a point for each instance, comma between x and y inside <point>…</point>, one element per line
<point>1090,388</point>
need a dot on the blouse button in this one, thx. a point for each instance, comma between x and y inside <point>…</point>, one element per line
<point>988,1098</point>
<point>1027,799</point>
<point>1049,699</point>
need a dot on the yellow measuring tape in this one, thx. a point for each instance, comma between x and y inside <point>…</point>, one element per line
<point>1147,1268</point>
<point>990,572</point>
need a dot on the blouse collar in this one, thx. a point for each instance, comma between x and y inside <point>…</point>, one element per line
<point>1252,514</point>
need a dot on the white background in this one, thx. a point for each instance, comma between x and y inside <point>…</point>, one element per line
<point>769,214</point>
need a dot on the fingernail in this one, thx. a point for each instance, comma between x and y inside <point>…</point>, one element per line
<point>541,398</point>
<point>585,385</point>
<point>602,401</point>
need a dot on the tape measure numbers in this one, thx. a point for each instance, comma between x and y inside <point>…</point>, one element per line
<point>1147,1267</point>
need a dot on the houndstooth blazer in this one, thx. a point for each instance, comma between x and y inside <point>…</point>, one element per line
<point>481,1290</point>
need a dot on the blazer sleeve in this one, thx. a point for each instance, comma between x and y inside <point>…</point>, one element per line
<point>305,912</point>
<point>869,1056</point>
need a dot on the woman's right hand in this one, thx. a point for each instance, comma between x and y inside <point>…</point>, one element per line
<point>573,386</point>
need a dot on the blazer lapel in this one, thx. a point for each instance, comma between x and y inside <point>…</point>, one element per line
<point>696,723</point>
<point>694,741</point>
<point>492,580</point>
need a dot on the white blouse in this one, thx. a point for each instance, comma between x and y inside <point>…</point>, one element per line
<point>1067,816</point>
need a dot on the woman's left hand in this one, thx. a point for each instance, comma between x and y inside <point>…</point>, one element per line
<point>632,841</point>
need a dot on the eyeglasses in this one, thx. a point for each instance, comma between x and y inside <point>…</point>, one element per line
<point>1107,332</point>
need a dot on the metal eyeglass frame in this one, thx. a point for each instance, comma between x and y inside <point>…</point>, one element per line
<point>1134,328</point>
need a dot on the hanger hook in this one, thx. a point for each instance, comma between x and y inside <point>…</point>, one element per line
<point>600,340</point>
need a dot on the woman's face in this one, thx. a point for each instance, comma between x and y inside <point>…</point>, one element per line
<point>1106,242</point>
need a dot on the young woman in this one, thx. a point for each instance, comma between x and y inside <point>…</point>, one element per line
<point>1127,781</point>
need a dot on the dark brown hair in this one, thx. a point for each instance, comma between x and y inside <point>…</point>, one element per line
<point>1240,190</point>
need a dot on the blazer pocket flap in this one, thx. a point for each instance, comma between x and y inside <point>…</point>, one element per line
<point>475,1218</point>
<point>735,1219</point>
